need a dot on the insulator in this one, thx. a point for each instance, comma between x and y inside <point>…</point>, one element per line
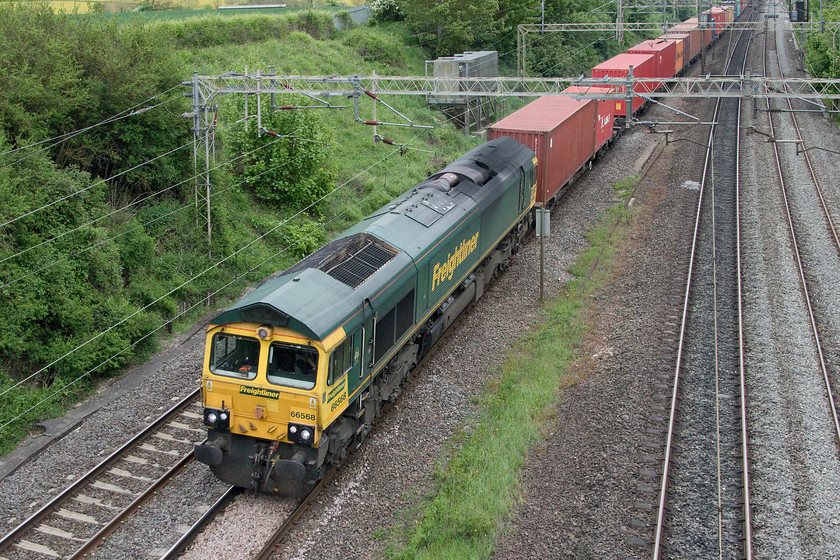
<point>372,123</point>
<point>371,94</point>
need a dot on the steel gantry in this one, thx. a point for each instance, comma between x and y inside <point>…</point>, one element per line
<point>357,86</point>
<point>319,90</point>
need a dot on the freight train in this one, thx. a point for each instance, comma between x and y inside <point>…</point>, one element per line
<point>295,373</point>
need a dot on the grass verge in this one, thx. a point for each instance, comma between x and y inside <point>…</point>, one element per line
<point>477,488</point>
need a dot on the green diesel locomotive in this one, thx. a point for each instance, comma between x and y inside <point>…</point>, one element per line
<point>296,372</point>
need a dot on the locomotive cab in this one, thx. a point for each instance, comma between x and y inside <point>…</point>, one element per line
<point>260,390</point>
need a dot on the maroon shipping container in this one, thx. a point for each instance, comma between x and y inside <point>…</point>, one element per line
<point>560,130</point>
<point>704,34</point>
<point>618,67</point>
<point>664,56</point>
<point>604,130</point>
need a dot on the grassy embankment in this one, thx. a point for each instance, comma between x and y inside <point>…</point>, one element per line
<point>476,488</point>
<point>174,8</point>
<point>167,247</point>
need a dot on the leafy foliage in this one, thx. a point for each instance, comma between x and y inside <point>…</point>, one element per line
<point>451,26</point>
<point>288,166</point>
<point>386,10</point>
<point>210,31</point>
<point>376,45</point>
<point>454,26</point>
<point>822,51</point>
<point>62,74</point>
<point>99,267</point>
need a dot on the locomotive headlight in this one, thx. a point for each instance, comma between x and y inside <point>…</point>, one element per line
<point>300,433</point>
<point>215,418</point>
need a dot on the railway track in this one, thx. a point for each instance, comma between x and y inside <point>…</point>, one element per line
<point>811,248</point>
<point>704,509</point>
<point>82,516</point>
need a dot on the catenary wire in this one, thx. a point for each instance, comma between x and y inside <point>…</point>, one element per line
<point>159,218</point>
<point>144,199</point>
<point>64,137</point>
<point>235,253</point>
<point>185,283</point>
<point>95,184</point>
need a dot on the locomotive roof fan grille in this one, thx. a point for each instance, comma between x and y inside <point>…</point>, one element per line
<point>350,260</point>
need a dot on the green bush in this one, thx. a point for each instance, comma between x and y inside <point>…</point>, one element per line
<point>387,10</point>
<point>216,30</point>
<point>291,168</point>
<point>376,45</point>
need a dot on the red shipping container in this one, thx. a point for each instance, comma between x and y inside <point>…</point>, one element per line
<point>718,14</point>
<point>664,55</point>
<point>683,49</point>
<point>618,67</point>
<point>708,19</point>
<point>560,130</point>
<point>604,130</point>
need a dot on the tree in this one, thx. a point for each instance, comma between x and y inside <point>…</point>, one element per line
<point>448,27</point>
<point>288,165</point>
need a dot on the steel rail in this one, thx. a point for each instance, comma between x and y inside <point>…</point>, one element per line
<point>114,523</point>
<point>273,542</point>
<point>187,538</point>
<point>823,203</point>
<point>663,491</point>
<point>272,545</point>
<point>742,383</point>
<point>58,500</point>
<point>798,258</point>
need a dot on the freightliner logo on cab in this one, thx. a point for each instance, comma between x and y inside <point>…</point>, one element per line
<point>443,271</point>
<point>258,392</point>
